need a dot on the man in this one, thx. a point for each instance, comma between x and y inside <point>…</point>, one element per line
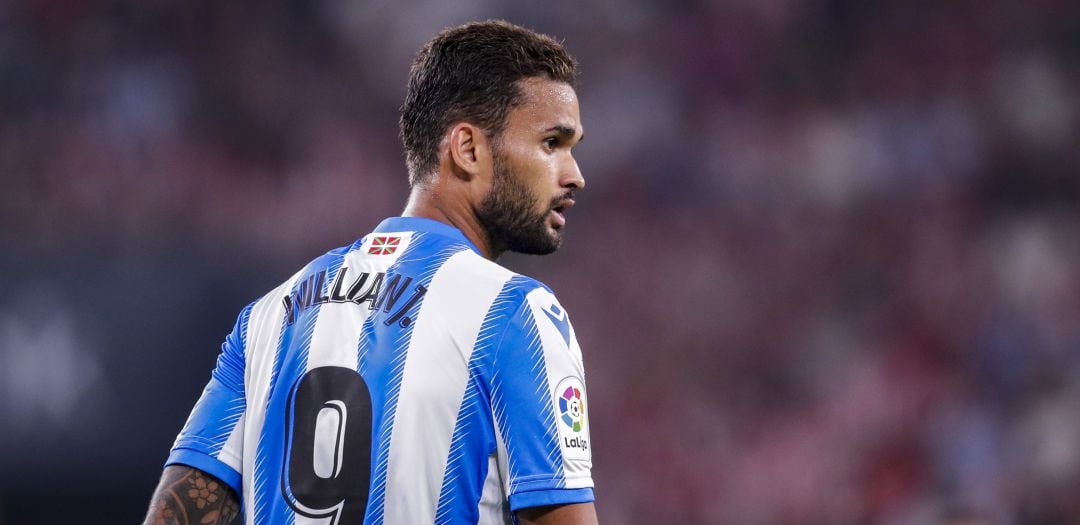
<point>407,378</point>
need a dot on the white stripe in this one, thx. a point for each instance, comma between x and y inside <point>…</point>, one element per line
<point>562,362</point>
<point>338,327</point>
<point>264,333</point>
<point>494,506</point>
<point>232,454</point>
<point>337,334</point>
<point>337,330</point>
<point>433,383</point>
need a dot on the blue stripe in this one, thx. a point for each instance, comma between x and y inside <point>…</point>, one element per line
<point>474,437</point>
<point>222,402</point>
<point>199,460</point>
<point>382,352</point>
<point>290,363</point>
<point>521,400</point>
<point>539,498</point>
<point>232,360</point>
<point>213,419</point>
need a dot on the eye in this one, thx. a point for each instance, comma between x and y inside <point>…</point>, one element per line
<point>551,142</point>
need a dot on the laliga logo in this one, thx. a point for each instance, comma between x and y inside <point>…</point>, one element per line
<point>572,409</point>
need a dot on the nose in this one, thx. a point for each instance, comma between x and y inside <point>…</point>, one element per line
<point>572,177</point>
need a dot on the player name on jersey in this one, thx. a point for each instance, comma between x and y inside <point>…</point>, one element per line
<point>365,287</point>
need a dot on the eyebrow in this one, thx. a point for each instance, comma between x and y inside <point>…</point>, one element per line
<point>565,131</point>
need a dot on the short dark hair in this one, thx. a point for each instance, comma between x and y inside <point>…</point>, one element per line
<point>470,73</point>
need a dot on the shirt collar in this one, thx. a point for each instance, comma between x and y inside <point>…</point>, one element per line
<point>421,224</point>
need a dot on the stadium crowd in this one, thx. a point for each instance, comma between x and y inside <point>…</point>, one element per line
<point>825,271</point>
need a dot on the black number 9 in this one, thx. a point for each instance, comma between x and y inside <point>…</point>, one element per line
<point>328,452</point>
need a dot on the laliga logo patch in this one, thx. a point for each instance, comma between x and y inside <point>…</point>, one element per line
<point>573,434</point>
<point>572,408</point>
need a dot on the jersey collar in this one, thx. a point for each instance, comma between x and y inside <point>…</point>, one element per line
<point>420,224</point>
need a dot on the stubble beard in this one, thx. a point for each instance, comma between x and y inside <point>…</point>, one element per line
<point>508,215</point>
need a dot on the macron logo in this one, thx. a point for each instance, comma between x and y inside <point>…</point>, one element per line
<point>560,320</point>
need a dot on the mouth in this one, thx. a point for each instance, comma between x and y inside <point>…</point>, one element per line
<point>559,212</point>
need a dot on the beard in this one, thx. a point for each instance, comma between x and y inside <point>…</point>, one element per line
<point>509,217</point>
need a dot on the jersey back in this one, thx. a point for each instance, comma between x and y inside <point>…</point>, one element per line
<point>401,379</point>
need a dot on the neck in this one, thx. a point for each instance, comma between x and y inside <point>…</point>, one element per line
<point>430,202</point>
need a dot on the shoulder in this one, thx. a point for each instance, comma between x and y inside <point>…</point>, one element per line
<point>318,269</point>
<point>527,304</point>
<point>508,298</point>
<point>468,266</point>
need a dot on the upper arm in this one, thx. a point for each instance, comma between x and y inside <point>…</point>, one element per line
<point>211,439</point>
<point>188,495</point>
<point>538,398</point>
<point>573,514</point>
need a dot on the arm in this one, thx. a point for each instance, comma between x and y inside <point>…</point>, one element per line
<point>573,514</point>
<point>188,495</point>
<point>202,474</point>
<point>539,405</point>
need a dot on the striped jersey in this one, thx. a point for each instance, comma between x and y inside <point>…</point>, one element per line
<point>401,379</point>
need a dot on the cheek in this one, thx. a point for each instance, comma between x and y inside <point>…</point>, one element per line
<point>543,182</point>
<point>536,173</point>
<point>544,174</point>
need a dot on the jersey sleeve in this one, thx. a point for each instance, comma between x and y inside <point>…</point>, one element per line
<point>212,438</point>
<point>540,408</point>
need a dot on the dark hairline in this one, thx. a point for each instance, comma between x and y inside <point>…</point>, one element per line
<point>473,74</point>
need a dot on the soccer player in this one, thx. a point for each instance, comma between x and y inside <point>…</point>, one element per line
<point>407,378</point>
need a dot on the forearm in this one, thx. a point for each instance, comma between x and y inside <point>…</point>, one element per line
<point>187,495</point>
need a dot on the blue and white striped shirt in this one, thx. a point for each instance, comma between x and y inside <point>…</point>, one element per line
<point>401,379</point>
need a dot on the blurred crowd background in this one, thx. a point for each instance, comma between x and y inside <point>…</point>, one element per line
<point>826,269</point>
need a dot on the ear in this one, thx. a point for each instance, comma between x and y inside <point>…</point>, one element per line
<point>469,151</point>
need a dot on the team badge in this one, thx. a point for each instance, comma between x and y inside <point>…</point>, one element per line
<point>384,245</point>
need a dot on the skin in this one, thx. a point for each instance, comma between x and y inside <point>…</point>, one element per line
<point>534,150</point>
<point>188,495</point>
<point>533,155</point>
<point>575,514</point>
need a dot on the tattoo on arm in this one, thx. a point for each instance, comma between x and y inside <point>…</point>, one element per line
<point>188,495</point>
